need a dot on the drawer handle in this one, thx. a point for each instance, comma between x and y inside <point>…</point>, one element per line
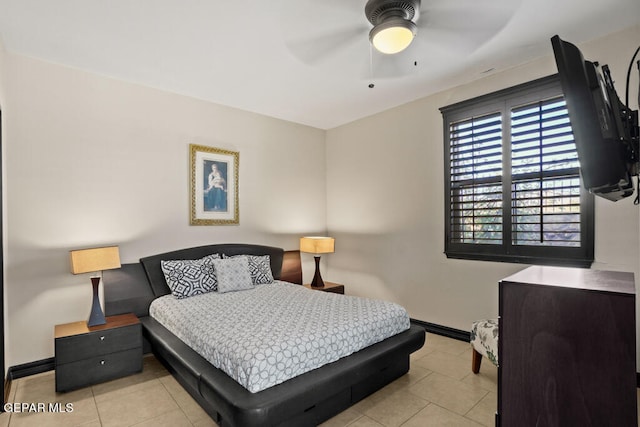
<point>102,362</point>
<point>102,338</point>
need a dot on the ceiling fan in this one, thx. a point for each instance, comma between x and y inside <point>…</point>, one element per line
<point>333,33</point>
<point>393,24</point>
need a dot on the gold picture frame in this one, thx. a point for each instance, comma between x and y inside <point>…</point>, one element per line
<point>213,186</point>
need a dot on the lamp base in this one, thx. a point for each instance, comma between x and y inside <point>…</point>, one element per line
<point>317,281</point>
<point>97,316</point>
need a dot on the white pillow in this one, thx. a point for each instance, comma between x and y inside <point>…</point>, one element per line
<point>232,274</point>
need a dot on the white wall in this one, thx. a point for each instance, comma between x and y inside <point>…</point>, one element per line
<point>3,241</point>
<point>2,73</point>
<point>385,203</point>
<point>93,161</point>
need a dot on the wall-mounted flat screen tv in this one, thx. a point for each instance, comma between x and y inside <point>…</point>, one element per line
<point>605,130</point>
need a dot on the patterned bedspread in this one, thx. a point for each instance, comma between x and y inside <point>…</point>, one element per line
<point>274,332</point>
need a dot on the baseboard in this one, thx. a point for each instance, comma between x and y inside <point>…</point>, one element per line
<point>7,391</point>
<point>31,368</point>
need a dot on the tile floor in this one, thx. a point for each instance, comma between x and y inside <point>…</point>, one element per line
<point>439,390</point>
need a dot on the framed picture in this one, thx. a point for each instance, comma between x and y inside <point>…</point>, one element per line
<point>214,186</point>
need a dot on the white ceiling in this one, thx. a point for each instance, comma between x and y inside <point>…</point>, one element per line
<point>304,61</point>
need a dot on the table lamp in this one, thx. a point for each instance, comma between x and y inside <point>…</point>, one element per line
<point>317,245</point>
<point>93,261</point>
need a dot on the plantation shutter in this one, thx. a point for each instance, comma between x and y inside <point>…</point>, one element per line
<point>544,175</point>
<point>476,180</point>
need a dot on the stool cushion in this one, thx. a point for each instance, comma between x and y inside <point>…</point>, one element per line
<point>484,338</point>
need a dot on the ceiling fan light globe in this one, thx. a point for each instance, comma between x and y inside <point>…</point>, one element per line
<point>393,35</point>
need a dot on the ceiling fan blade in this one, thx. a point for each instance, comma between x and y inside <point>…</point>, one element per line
<point>470,12</point>
<point>317,31</point>
<point>464,25</point>
<point>314,50</point>
<point>321,7</point>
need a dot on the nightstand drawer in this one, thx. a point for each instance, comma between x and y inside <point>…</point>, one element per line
<point>97,343</point>
<point>97,369</point>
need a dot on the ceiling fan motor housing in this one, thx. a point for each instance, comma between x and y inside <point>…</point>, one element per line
<point>378,11</point>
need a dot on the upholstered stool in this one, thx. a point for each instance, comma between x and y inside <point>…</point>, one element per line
<point>484,340</point>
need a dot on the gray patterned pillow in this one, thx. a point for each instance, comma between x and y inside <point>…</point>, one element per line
<point>187,278</point>
<point>232,274</point>
<point>259,268</point>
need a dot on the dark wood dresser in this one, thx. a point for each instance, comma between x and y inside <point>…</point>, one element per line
<point>89,355</point>
<point>567,348</point>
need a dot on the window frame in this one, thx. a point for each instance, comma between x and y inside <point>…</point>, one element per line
<point>504,101</point>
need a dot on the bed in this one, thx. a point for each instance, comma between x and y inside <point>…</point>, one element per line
<point>306,399</point>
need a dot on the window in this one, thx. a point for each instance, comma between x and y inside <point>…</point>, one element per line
<point>512,187</point>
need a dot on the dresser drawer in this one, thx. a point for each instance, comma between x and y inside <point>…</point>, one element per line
<point>97,343</point>
<point>82,373</point>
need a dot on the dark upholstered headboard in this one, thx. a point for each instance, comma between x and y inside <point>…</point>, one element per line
<point>132,287</point>
<point>151,264</point>
<point>291,267</point>
<point>127,290</point>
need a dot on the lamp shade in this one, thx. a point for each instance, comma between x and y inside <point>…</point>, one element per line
<point>393,35</point>
<point>317,245</point>
<point>96,259</point>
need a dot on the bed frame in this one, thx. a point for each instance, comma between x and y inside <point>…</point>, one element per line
<point>307,399</point>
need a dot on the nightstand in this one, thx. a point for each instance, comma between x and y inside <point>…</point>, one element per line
<point>89,355</point>
<point>329,287</point>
